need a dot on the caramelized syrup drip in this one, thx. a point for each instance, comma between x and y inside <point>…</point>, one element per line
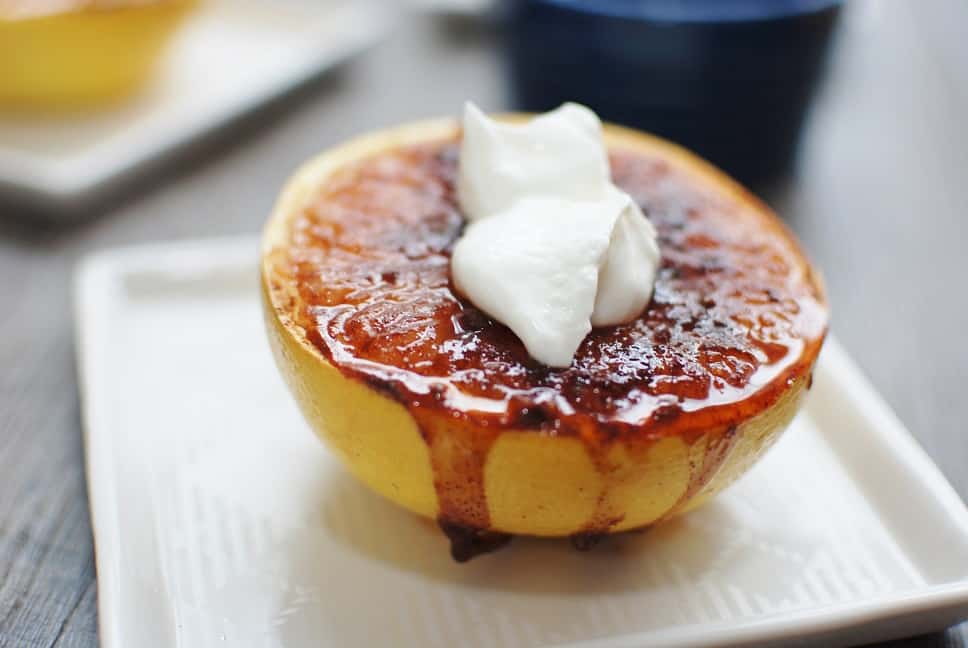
<point>467,542</point>
<point>735,318</point>
<point>587,540</point>
<point>701,474</point>
<point>458,452</point>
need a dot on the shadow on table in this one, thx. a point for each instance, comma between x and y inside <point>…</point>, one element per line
<point>380,530</point>
<point>949,639</point>
<point>545,581</point>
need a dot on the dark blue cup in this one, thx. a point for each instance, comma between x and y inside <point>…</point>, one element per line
<point>730,79</point>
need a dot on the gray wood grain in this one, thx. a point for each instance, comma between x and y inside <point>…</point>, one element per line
<point>879,201</point>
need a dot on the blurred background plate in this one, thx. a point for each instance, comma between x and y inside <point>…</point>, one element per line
<point>234,56</point>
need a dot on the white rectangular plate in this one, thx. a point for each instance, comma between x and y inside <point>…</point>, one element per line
<point>219,520</point>
<point>228,59</point>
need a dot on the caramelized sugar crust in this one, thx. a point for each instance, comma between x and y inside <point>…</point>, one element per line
<point>736,317</point>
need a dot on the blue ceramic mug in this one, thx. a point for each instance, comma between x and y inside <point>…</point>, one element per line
<point>731,79</point>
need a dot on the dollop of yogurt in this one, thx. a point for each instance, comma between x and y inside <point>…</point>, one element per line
<point>552,247</point>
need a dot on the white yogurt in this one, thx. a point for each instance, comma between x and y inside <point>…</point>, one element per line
<point>552,247</point>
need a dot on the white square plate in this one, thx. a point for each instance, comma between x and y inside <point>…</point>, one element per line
<point>219,520</point>
<point>229,58</point>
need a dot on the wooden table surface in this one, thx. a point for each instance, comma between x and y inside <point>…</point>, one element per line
<point>880,202</point>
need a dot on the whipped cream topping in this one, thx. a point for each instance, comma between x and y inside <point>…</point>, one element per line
<point>552,247</point>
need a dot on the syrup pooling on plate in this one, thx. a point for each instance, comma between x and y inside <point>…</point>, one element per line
<point>732,316</point>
